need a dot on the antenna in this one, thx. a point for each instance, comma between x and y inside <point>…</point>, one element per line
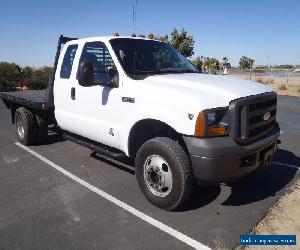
<point>134,8</point>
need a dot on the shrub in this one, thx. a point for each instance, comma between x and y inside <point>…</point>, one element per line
<point>38,79</point>
<point>282,87</point>
<point>260,80</point>
<point>35,84</point>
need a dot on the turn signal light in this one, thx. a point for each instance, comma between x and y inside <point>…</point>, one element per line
<point>200,125</point>
<point>216,131</point>
<point>203,129</point>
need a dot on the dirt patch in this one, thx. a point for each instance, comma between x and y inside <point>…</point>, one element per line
<point>283,218</point>
<point>281,85</point>
<point>286,89</point>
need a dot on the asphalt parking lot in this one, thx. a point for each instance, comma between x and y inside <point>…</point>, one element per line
<point>42,207</point>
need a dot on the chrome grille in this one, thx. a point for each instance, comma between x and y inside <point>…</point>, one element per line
<point>247,117</point>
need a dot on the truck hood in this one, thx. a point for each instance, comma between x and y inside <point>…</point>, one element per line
<point>211,90</point>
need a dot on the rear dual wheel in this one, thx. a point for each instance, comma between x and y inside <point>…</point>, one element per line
<point>164,173</point>
<point>26,126</point>
<point>31,128</point>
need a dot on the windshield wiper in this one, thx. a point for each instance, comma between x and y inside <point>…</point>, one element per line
<point>146,71</point>
<point>139,72</point>
<point>163,71</point>
<point>174,70</point>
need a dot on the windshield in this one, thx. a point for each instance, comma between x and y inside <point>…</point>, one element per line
<point>143,57</point>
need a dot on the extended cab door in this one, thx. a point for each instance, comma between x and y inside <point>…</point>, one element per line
<point>64,89</point>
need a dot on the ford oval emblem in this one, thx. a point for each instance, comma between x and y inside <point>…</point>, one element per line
<point>267,116</point>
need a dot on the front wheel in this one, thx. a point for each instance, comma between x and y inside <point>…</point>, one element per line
<point>163,172</point>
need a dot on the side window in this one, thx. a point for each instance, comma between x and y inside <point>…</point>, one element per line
<point>98,54</point>
<point>66,66</point>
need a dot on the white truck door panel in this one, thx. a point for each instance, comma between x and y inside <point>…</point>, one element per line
<point>94,113</point>
<point>62,89</point>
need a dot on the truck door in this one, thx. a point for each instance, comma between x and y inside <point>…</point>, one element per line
<point>63,101</point>
<point>95,107</point>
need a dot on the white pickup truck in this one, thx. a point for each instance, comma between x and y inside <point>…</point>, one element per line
<point>140,98</point>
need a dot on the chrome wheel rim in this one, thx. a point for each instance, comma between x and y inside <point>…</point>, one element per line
<point>158,176</point>
<point>20,127</point>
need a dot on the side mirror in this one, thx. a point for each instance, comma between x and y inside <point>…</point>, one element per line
<point>112,72</point>
<point>86,73</point>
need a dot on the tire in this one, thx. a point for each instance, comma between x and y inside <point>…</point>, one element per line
<point>42,132</point>
<point>26,126</point>
<point>164,151</point>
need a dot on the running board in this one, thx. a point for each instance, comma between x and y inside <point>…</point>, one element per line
<point>95,146</point>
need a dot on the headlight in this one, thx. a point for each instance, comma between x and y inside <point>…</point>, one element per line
<point>212,122</point>
<point>211,116</point>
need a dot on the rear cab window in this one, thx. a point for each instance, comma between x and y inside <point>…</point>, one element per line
<point>66,66</point>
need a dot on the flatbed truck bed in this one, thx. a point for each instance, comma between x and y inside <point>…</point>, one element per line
<point>35,99</point>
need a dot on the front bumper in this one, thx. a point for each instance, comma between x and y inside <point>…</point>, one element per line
<point>218,159</point>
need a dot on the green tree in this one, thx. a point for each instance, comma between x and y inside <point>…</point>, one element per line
<point>210,65</point>
<point>246,63</point>
<point>183,42</point>
<point>40,78</point>
<point>10,75</point>
<point>27,73</point>
<point>284,66</point>
<point>198,63</point>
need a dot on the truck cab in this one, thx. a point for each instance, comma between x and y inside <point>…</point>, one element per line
<point>140,98</point>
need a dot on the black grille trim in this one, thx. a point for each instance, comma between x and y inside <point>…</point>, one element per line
<point>246,117</point>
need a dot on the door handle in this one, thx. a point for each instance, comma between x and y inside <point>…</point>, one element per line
<point>73,93</point>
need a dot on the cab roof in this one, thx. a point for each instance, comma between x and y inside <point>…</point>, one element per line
<point>108,38</point>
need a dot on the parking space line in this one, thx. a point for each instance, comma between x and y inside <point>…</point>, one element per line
<point>176,234</point>
<point>286,165</point>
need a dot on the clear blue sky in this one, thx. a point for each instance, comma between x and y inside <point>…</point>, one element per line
<point>29,29</point>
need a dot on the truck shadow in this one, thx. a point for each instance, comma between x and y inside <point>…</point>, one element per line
<point>257,186</point>
<point>200,197</point>
<point>125,164</point>
<point>266,182</point>
<point>53,137</point>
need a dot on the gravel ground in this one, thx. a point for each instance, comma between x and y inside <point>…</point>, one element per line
<point>282,218</point>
